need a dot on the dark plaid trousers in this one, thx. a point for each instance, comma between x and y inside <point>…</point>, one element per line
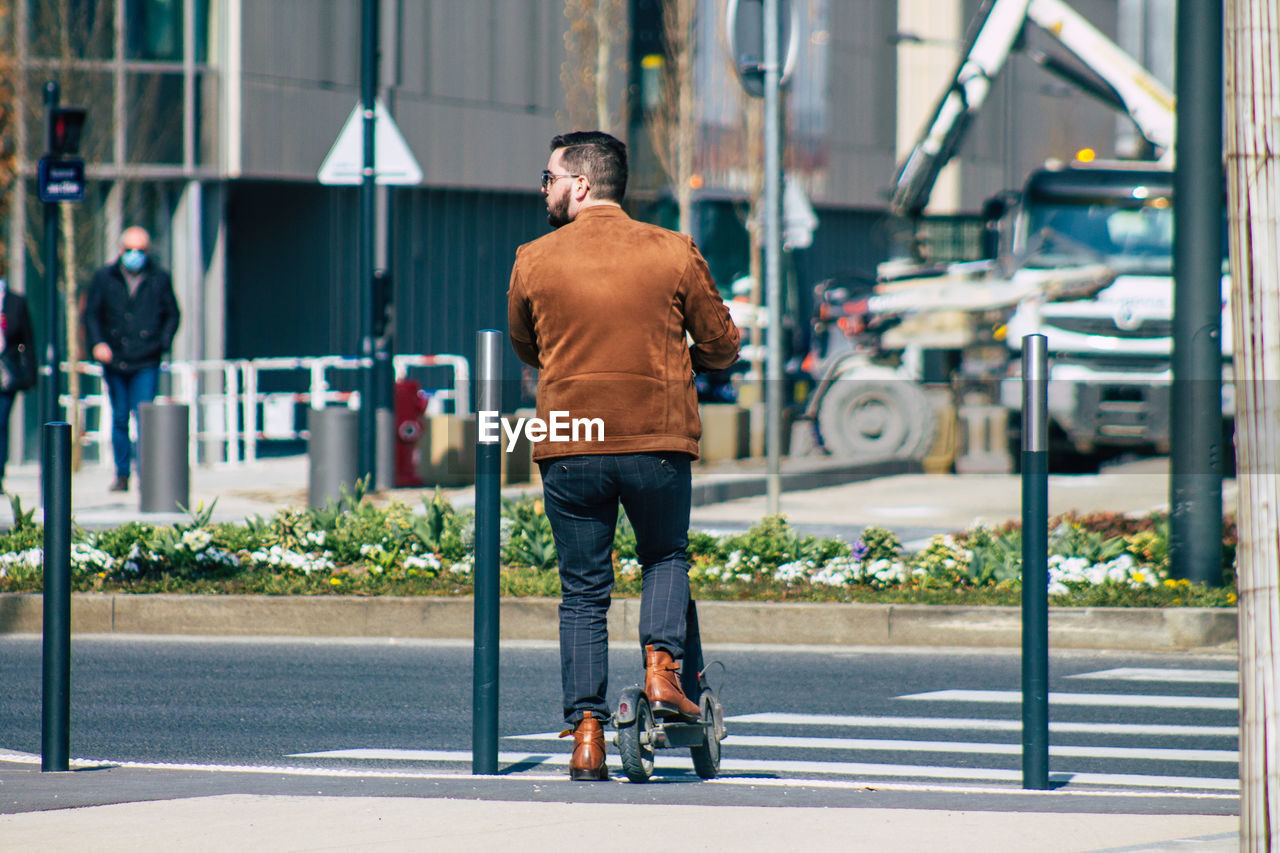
<point>581,495</point>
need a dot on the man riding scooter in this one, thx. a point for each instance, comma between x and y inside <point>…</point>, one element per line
<point>602,306</point>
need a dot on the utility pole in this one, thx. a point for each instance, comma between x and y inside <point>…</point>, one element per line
<point>1195,482</point>
<point>49,409</point>
<point>366,260</point>
<point>773,252</point>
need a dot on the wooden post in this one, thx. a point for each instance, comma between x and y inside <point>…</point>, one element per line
<point>1253,184</point>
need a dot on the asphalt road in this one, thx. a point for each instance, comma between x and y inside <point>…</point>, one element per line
<point>1132,732</point>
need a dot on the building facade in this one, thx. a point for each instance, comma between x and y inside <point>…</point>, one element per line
<point>208,121</point>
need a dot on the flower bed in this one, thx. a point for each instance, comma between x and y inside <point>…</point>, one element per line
<point>359,547</point>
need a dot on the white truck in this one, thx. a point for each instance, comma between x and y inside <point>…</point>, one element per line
<point>1084,257</point>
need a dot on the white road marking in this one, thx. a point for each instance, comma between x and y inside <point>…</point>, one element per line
<point>1190,676</point>
<point>887,785</point>
<point>1137,753</point>
<point>977,724</point>
<point>542,779</point>
<point>844,768</point>
<point>1106,700</point>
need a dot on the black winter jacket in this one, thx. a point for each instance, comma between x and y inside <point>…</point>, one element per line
<point>139,329</point>
<point>19,352</point>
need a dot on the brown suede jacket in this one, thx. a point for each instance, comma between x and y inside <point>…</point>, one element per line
<point>601,307</point>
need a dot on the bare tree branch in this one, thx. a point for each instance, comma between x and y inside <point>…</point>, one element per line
<point>673,124</point>
<point>595,28</point>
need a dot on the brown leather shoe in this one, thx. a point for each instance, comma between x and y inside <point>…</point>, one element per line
<point>119,484</point>
<point>587,762</point>
<point>662,686</point>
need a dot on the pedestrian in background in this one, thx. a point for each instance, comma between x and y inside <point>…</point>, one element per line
<point>17,361</point>
<point>602,306</point>
<point>130,319</point>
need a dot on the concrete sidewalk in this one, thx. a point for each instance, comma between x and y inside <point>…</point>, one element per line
<point>267,485</point>
<point>292,823</point>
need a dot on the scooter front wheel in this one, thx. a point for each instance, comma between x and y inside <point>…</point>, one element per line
<point>706,756</point>
<point>635,743</point>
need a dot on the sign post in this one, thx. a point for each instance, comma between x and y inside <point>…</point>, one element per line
<point>369,150</point>
<point>60,178</point>
<point>754,31</point>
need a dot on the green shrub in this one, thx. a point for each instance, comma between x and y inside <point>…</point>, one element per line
<point>529,540</point>
<point>357,547</point>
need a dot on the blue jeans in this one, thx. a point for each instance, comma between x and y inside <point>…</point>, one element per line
<point>581,495</point>
<point>126,392</point>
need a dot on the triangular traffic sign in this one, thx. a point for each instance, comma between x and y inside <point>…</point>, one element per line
<point>393,162</point>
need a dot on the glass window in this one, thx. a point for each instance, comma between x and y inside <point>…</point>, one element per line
<point>87,24</point>
<point>152,204</point>
<point>208,104</point>
<point>201,46</point>
<point>153,105</point>
<point>153,29</point>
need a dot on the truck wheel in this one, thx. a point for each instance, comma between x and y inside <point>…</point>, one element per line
<point>870,418</point>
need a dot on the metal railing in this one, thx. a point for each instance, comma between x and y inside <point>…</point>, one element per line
<point>230,414</point>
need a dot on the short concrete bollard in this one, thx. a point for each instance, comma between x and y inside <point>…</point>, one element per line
<point>332,453</point>
<point>164,467</point>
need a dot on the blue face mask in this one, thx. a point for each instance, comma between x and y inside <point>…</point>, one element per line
<point>133,259</point>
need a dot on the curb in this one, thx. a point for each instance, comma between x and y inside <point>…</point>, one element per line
<point>796,475</point>
<point>1135,629</point>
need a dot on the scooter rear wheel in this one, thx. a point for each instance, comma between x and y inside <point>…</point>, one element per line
<point>635,743</point>
<point>706,757</point>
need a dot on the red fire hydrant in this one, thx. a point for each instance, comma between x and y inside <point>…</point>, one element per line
<point>411,407</point>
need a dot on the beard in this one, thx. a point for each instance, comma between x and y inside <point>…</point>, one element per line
<point>558,211</point>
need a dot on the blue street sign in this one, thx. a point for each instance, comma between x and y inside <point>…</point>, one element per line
<point>61,179</point>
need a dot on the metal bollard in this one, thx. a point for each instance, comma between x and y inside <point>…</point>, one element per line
<point>385,470</point>
<point>55,741</point>
<point>164,470</point>
<point>1035,563</point>
<point>333,453</point>
<point>484,692</point>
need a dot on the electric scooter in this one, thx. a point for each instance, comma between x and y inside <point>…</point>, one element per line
<point>640,733</point>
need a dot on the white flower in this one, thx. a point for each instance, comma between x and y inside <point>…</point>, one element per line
<point>837,572</point>
<point>794,571</point>
<point>88,558</point>
<point>217,557</point>
<point>429,563</point>
<point>628,567</point>
<point>196,540</point>
<point>279,556</point>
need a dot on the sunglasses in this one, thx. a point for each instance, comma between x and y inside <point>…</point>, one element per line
<point>548,178</point>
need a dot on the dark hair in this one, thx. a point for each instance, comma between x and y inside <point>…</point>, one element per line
<point>600,157</point>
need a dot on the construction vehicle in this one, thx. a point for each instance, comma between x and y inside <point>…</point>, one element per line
<point>1082,254</point>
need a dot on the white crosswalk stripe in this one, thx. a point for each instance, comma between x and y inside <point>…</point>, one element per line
<point>874,745</point>
<point>1190,676</point>
<point>979,724</point>
<point>1108,744</point>
<point>1110,700</point>
<point>665,761</point>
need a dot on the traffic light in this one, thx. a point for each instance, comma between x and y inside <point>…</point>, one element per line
<point>63,133</point>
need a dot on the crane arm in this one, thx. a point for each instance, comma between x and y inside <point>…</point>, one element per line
<point>1147,101</point>
<point>1141,95</point>
<point>988,50</point>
